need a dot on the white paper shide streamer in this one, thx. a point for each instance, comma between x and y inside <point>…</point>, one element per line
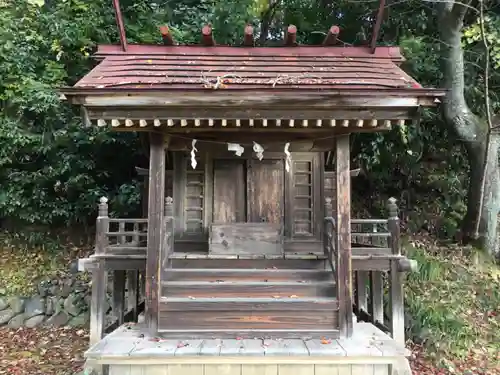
<point>236,147</point>
<point>288,159</point>
<point>259,150</point>
<point>194,163</point>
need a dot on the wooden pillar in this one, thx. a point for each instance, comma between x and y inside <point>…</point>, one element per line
<point>99,276</point>
<point>343,221</point>
<point>396,277</point>
<point>156,202</point>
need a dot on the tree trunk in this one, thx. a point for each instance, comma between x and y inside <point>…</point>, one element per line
<point>472,131</point>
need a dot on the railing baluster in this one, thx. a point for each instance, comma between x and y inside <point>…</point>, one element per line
<point>122,238</point>
<point>168,238</point>
<point>377,297</point>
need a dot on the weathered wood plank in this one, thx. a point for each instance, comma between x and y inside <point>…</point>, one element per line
<point>261,370</point>
<point>343,245</point>
<point>359,347</point>
<point>265,191</point>
<point>327,370</point>
<point>156,205</point>
<point>97,309</point>
<point>291,334</point>
<point>396,277</point>
<point>236,320</point>
<point>133,293</point>
<point>248,304</point>
<point>246,238</point>
<point>119,295</point>
<point>361,290</point>
<point>365,369</point>
<point>211,347</point>
<point>381,370</point>
<point>185,369</point>
<point>189,347</point>
<point>285,347</point>
<point>274,289</point>
<point>252,347</point>
<point>226,275</point>
<point>377,296</point>
<point>249,263</point>
<point>325,347</point>
<point>296,369</point>
<point>229,188</point>
<point>121,370</point>
<point>222,369</point>
<point>152,347</point>
<point>231,347</point>
<point>149,370</point>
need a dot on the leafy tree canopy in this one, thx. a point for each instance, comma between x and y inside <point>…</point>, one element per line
<point>53,169</point>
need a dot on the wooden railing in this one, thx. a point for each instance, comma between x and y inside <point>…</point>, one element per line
<point>376,261</point>
<point>128,237</point>
<point>120,240</point>
<point>119,236</point>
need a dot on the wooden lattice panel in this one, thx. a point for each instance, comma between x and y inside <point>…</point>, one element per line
<point>194,199</point>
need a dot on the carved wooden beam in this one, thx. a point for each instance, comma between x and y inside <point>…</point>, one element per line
<point>166,36</point>
<point>291,36</point>
<point>238,123</point>
<point>331,37</point>
<point>248,39</point>
<point>206,36</point>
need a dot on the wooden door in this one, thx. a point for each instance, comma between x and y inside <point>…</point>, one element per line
<point>265,191</point>
<point>229,191</point>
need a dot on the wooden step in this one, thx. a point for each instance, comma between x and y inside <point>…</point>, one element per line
<point>168,304</point>
<point>187,334</point>
<point>217,275</point>
<point>248,313</point>
<point>289,289</point>
<point>248,263</point>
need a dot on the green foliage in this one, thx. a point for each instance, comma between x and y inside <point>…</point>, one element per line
<point>473,36</point>
<point>453,302</point>
<point>53,170</point>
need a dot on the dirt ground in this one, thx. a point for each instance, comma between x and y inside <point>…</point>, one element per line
<point>44,351</point>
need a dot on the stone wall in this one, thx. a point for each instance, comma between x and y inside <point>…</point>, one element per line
<point>59,302</point>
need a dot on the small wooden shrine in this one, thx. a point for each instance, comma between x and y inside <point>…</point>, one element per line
<point>248,250</point>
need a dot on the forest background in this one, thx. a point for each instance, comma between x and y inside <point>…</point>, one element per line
<point>53,170</point>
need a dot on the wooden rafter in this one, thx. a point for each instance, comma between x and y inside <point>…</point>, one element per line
<point>377,26</point>
<point>120,25</point>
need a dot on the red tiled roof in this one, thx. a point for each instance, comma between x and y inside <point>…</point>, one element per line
<point>197,67</point>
